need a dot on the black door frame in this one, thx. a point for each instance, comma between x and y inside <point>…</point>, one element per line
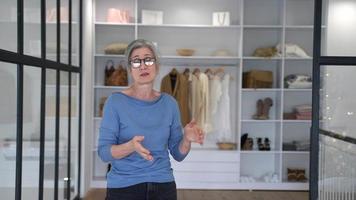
<point>20,60</point>
<point>318,61</point>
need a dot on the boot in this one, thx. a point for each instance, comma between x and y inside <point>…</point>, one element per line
<point>259,109</point>
<point>267,103</point>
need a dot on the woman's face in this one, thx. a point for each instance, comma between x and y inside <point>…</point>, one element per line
<point>147,69</point>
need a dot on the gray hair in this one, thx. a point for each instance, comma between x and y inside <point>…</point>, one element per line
<point>139,43</point>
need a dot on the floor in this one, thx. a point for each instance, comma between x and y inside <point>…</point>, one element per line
<point>99,194</point>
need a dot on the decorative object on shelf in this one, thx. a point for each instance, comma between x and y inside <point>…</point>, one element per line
<point>296,174</point>
<point>247,179</point>
<point>221,53</point>
<point>109,70</point>
<point>246,142</point>
<point>296,146</point>
<point>289,116</point>
<point>298,81</point>
<point>221,18</point>
<point>262,109</point>
<point>265,146</point>
<point>152,17</point>
<point>101,105</point>
<point>292,50</point>
<point>266,52</point>
<point>185,52</point>
<point>257,79</point>
<point>115,48</point>
<point>226,145</point>
<point>303,112</point>
<point>118,16</point>
<point>271,177</point>
<point>115,77</point>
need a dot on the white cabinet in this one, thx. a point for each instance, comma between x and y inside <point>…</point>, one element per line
<point>189,24</point>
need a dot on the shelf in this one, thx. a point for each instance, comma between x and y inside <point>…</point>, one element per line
<point>302,26</point>
<point>110,87</point>
<point>109,56</point>
<point>263,26</point>
<point>297,121</point>
<point>261,58</point>
<point>297,90</point>
<point>295,152</point>
<point>298,58</point>
<point>113,24</point>
<point>261,89</point>
<point>97,118</point>
<point>189,26</point>
<point>260,152</point>
<point>197,60</point>
<point>261,121</point>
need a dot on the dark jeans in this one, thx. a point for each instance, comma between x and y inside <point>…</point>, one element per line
<point>144,191</point>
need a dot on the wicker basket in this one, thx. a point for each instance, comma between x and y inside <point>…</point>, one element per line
<point>226,145</point>
<point>185,52</point>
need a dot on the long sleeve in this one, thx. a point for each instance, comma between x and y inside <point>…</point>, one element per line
<point>176,136</point>
<point>109,131</point>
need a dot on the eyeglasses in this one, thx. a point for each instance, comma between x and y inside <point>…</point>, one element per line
<point>136,63</point>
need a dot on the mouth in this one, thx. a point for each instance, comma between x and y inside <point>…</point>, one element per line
<point>144,74</point>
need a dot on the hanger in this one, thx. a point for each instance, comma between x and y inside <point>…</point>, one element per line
<point>196,71</point>
<point>186,71</point>
<point>173,72</point>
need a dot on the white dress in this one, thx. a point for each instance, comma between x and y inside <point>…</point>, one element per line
<point>222,118</point>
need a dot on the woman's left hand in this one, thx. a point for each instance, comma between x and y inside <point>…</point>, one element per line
<point>193,133</point>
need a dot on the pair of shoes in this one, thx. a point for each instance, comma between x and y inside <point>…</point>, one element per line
<point>262,108</point>
<point>264,146</point>
<point>296,175</point>
<point>246,142</point>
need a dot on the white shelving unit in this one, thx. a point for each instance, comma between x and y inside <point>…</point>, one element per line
<point>254,24</point>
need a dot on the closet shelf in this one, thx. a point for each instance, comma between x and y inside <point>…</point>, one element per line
<point>297,90</point>
<point>296,121</point>
<point>261,58</point>
<point>264,26</point>
<point>189,26</point>
<point>261,121</point>
<point>260,152</point>
<point>261,89</point>
<point>295,152</point>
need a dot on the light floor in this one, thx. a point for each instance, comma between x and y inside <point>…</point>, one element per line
<point>99,194</point>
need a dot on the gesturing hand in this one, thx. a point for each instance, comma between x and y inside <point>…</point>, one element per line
<point>136,143</point>
<point>193,133</point>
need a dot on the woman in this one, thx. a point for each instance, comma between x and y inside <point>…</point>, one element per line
<point>138,128</point>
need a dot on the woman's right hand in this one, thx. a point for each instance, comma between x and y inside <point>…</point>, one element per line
<point>137,146</point>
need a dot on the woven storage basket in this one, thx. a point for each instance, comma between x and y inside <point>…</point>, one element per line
<point>257,79</point>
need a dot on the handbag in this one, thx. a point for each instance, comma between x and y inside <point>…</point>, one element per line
<point>115,77</point>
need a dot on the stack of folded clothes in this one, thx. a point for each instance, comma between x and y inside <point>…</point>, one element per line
<point>303,112</point>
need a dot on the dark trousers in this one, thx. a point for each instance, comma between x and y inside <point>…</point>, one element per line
<point>144,191</point>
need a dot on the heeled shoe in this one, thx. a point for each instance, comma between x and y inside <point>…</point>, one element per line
<point>259,109</point>
<point>259,144</point>
<point>267,146</point>
<point>267,104</point>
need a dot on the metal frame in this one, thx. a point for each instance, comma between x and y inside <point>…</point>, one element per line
<point>318,61</point>
<point>21,60</point>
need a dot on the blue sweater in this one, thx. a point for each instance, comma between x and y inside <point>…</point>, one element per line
<point>158,120</point>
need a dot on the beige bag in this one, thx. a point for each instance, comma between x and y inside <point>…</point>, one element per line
<point>115,48</point>
<point>257,79</point>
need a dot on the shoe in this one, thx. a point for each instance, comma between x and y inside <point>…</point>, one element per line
<point>267,146</point>
<point>259,109</point>
<point>259,144</point>
<point>267,104</point>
